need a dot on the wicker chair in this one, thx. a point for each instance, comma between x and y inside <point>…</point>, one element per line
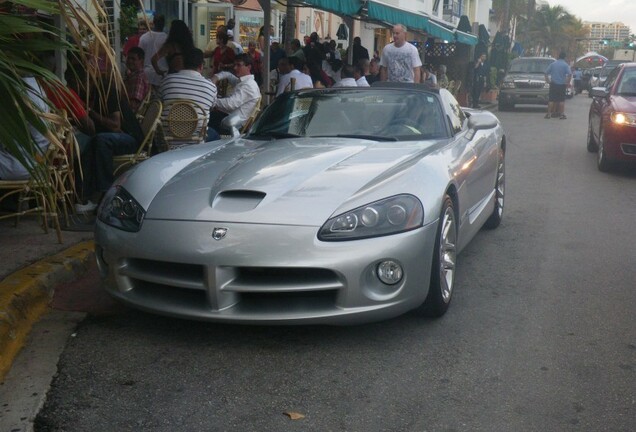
<point>185,124</point>
<point>35,196</point>
<point>149,125</point>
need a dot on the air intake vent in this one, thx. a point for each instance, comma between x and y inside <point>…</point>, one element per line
<point>237,200</point>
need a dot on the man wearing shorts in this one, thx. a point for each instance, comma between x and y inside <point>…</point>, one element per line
<point>558,75</point>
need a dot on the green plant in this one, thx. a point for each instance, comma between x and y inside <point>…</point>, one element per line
<point>127,21</point>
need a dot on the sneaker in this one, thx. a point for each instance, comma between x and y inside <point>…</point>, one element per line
<point>547,116</point>
<point>89,207</point>
<point>563,117</point>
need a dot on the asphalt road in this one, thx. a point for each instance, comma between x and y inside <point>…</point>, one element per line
<point>541,335</point>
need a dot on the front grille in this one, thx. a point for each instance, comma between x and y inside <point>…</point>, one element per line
<point>282,290</point>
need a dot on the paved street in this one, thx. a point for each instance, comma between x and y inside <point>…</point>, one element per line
<point>541,335</point>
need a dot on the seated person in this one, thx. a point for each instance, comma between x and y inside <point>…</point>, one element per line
<point>188,84</point>
<point>291,67</point>
<point>242,99</point>
<point>346,77</point>
<point>118,133</point>
<point>358,73</point>
<point>66,98</point>
<point>10,167</point>
<point>136,82</point>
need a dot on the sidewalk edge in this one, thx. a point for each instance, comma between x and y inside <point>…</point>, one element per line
<point>25,296</point>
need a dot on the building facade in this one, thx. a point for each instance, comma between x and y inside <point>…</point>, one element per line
<point>601,31</point>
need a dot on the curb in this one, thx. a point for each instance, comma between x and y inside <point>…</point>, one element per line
<point>25,296</point>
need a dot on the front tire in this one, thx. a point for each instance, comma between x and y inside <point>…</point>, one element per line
<point>591,142</point>
<point>440,289</point>
<point>603,164</point>
<point>500,189</point>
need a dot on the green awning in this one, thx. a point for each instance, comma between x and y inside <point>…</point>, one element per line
<point>440,32</point>
<point>392,15</point>
<point>465,38</point>
<point>339,7</point>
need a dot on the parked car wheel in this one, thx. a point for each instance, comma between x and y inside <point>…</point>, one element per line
<point>591,142</point>
<point>500,188</point>
<point>604,165</point>
<point>444,260</point>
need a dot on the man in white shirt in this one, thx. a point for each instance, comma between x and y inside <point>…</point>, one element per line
<point>243,98</point>
<point>346,77</point>
<point>238,49</point>
<point>290,67</point>
<point>151,42</point>
<point>358,74</point>
<point>400,61</point>
<point>190,85</point>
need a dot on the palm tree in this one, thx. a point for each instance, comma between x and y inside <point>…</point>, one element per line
<point>24,38</point>
<point>548,29</point>
<point>506,11</point>
<point>574,32</point>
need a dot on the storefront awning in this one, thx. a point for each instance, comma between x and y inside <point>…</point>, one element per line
<point>465,38</point>
<point>339,7</point>
<point>392,15</point>
<point>440,32</point>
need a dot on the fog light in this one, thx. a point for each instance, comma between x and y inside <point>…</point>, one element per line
<point>390,272</point>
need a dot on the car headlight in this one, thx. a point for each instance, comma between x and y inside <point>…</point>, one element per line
<point>385,217</point>
<point>623,119</point>
<point>120,210</point>
<point>508,84</point>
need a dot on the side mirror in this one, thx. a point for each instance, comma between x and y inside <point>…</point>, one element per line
<point>480,121</point>
<point>233,122</point>
<point>600,92</point>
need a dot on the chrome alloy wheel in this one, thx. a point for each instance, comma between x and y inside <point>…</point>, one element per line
<point>447,254</point>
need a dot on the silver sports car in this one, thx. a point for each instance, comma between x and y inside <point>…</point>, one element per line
<point>339,206</point>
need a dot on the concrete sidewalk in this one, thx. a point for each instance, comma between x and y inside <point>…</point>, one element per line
<point>32,264</point>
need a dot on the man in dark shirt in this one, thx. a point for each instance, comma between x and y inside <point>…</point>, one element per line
<point>359,52</point>
<point>118,133</point>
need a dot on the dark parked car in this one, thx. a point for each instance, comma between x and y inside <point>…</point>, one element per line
<point>612,122</point>
<point>525,83</point>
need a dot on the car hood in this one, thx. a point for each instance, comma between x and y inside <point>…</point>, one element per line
<point>625,104</point>
<point>289,181</point>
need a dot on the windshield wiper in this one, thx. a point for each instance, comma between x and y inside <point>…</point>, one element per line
<point>360,136</point>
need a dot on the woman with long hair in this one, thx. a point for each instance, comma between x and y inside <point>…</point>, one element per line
<point>178,42</point>
<point>223,55</point>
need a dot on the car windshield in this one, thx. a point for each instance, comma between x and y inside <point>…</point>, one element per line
<point>627,85</point>
<point>367,113</point>
<point>532,66</point>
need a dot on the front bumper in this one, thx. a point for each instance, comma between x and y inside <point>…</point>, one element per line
<point>261,273</point>
<point>620,142</point>
<point>523,96</point>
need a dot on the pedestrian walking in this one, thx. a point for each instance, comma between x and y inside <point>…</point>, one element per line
<point>558,75</point>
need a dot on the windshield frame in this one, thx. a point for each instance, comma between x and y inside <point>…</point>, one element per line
<point>381,114</point>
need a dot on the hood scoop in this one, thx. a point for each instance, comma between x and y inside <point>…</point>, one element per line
<point>237,201</point>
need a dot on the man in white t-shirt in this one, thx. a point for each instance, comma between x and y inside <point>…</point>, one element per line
<point>151,42</point>
<point>400,61</point>
<point>290,67</point>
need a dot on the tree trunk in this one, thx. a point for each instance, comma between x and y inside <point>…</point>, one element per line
<point>290,25</point>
